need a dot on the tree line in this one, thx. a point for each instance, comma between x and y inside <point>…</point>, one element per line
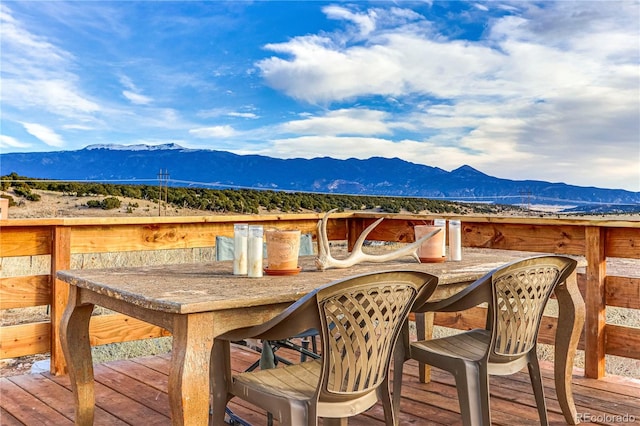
<point>238,200</point>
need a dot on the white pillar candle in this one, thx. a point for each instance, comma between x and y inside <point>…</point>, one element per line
<point>240,233</point>
<point>255,251</point>
<point>455,240</point>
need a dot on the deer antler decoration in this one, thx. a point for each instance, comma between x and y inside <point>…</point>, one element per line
<point>326,261</point>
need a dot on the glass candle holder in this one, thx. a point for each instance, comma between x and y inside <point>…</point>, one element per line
<point>255,251</point>
<point>455,240</point>
<point>240,236</point>
<point>442,224</point>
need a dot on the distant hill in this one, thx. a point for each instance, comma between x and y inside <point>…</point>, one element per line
<point>373,176</point>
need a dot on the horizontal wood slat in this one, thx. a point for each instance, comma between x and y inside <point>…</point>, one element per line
<point>466,320</point>
<point>476,318</point>
<point>623,242</point>
<point>562,239</point>
<point>24,292</point>
<point>113,238</point>
<point>25,241</point>
<point>622,341</point>
<point>116,328</point>
<point>388,230</point>
<point>109,238</point>
<point>25,339</point>
<point>623,292</point>
<point>33,338</point>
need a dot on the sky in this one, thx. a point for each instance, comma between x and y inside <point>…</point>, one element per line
<point>518,90</point>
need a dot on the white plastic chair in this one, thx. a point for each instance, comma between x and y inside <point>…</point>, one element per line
<point>359,320</point>
<point>517,294</point>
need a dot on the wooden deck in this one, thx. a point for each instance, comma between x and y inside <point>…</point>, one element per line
<point>135,392</point>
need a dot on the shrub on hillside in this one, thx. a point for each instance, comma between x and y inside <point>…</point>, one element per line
<point>108,203</point>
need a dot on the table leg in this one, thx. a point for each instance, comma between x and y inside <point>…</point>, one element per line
<point>571,313</point>
<point>189,371</point>
<point>74,334</point>
<point>424,331</point>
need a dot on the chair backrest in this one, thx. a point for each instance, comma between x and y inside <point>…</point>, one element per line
<point>361,319</point>
<point>520,293</point>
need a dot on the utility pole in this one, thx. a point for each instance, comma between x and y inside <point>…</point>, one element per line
<point>528,198</point>
<point>163,177</point>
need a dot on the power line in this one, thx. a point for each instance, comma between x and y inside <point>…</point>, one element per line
<point>484,198</point>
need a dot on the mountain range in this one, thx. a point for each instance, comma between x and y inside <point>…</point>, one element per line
<point>146,164</point>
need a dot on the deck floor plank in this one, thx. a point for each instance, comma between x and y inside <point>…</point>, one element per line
<point>6,419</point>
<point>134,387</point>
<point>130,390</point>
<point>113,401</point>
<point>27,408</point>
<point>149,376</point>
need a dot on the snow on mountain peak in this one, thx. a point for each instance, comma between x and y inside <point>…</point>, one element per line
<point>138,147</point>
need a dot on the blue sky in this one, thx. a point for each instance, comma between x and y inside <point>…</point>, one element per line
<point>519,90</point>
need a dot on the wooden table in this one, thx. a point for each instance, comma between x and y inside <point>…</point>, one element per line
<point>197,302</point>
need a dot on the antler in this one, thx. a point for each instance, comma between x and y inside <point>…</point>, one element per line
<point>326,261</point>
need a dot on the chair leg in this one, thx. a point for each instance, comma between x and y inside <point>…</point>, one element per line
<point>400,355</point>
<point>220,368</point>
<point>538,387</point>
<point>472,384</point>
<point>305,345</point>
<point>384,395</point>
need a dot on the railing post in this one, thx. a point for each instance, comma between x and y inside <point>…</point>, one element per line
<point>596,303</point>
<point>355,227</point>
<point>60,260</point>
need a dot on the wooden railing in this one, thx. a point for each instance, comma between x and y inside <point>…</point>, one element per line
<point>62,239</point>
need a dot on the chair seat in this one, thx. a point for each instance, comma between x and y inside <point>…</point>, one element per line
<point>295,385</point>
<point>293,382</point>
<point>469,346</point>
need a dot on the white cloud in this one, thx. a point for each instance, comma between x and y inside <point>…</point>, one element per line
<point>44,133</point>
<point>80,127</point>
<point>245,112</point>
<point>136,98</point>
<point>213,132</point>
<point>23,49</point>
<point>132,93</point>
<point>35,73</point>
<point>365,22</point>
<point>243,115</point>
<point>480,6</point>
<point>342,122</point>
<point>9,142</point>
<point>55,96</point>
